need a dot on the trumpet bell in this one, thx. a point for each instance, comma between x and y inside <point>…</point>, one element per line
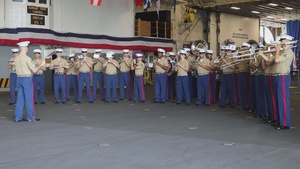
<point>198,44</point>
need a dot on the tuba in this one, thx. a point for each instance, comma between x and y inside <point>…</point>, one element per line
<point>198,44</point>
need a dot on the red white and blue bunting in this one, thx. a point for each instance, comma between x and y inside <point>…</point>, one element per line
<point>11,36</point>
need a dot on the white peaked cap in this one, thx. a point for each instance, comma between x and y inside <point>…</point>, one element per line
<point>227,47</point>
<point>209,51</point>
<point>58,50</point>
<point>246,44</point>
<point>83,50</point>
<point>125,51</point>
<point>37,51</point>
<point>139,55</point>
<point>161,50</point>
<point>171,54</point>
<point>187,49</point>
<point>202,50</point>
<point>110,54</point>
<point>232,47</point>
<point>260,45</point>
<point>15,50</point>
<point>22,44</point>
<point>98,50</point>
<point>71,55</point>
<point>287,37</point>
<point>182,52</point>
<point>223,47</point>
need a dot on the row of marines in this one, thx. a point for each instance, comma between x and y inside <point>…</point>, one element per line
<point>265,92</point>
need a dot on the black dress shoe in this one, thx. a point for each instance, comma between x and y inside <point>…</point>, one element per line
<point>271,121</point>
<point>56,102</point>
<point>11,103</point>
<point>250,111</point>
<point>115,101</point>
<point>91,102</point>
<point>35,102</point>
<point>162,102</point>
<point>197,104</point>
<point>68,100</point>
<point>188,104</point>
<point>63,102</point>
<point>156,102</point>
<point>177,103</point>
<point>78,101</point>
<point>143,101</point>
<point>222,106</point>
<point>106,101</point>
<point>43,102</point>
<point>282,128</point>
<point>121,99</point>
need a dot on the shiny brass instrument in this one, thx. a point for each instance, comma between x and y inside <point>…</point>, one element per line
<point>71,64</point>
<point>12,64</point>
<point>198,44</point>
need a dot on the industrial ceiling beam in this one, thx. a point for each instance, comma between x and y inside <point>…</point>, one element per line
<point>210,4</point>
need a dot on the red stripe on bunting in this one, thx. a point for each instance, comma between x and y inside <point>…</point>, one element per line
<point>83,45</point>
<point>96,2</point>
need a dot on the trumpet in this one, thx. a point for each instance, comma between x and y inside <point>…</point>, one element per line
<point>12,63</point>
<point>71,64</point>
<point>275,43</point>
<point>233,63</point>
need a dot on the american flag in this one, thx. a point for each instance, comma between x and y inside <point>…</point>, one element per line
<point>95,2</point>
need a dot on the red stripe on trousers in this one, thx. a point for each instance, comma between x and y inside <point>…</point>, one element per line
<point>273,99</point>
<point>284,100</point>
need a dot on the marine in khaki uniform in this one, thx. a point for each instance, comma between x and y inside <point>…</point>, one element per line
<point>217,69</point>
<point>171,75</point>
<point>138,66</point>
<point>227,77</point>
<point>202,68</point>
<point>24,67</point>
<point>72,81</point>
<point>38,77</point>
<point>13,76</point>
<point>243,68</point>
<point>260,94</point>
<point>161,66</point>
<point>111,77</point>
<point>182,68</point>
<point>84,65</point>
<point>124,76</point>
<point>212,76</point>
<point>191,73</point>
<point>269,66</point>
<point>58,65</point>
<point>283,62</point>
<point>98,74</point>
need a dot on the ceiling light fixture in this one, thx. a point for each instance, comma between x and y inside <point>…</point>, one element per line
<point>236,8</point>
<point>288,8</point>
<point>270,17</point>
<point>284,19</point>
<point>272,4</point>
<point>255,12</point>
